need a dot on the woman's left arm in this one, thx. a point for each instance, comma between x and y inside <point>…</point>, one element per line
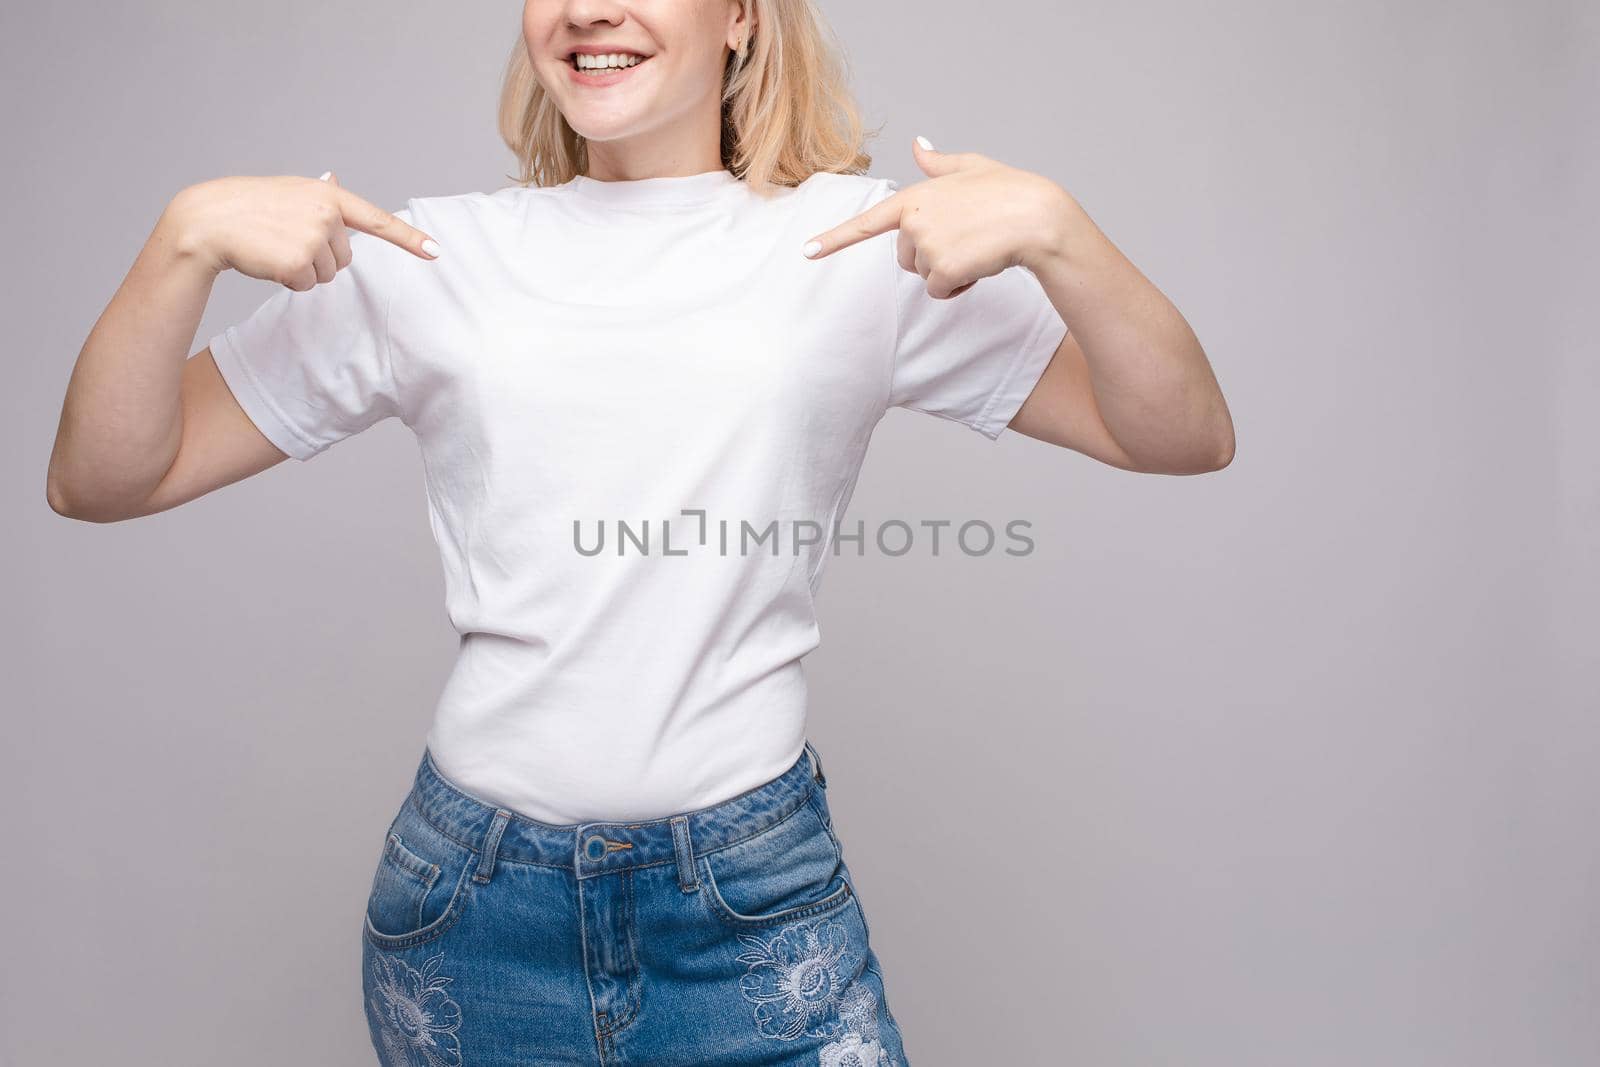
<point>1129,384</point>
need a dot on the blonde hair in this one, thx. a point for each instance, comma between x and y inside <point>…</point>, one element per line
<point>787,112</point>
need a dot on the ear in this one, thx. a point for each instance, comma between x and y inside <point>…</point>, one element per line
<point>742,28</point>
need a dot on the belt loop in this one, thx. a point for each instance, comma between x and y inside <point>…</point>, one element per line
<point>491,845</point>
<point>688,877</point>
<point>816,764</point>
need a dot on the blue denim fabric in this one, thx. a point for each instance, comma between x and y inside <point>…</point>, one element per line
<point>727,935</point>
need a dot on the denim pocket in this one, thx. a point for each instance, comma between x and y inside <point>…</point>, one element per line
<point>791,870</point>
<point>420,884</point>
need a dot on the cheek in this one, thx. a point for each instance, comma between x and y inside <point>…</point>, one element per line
<point>693,71</point>
<point>538,22</point>
<point>536,38</point>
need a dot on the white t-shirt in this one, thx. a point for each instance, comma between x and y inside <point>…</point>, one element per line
<point>614,354</point>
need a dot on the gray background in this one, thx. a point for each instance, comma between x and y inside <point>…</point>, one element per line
<point>1291,763</point>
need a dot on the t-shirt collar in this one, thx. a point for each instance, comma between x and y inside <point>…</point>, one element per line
<point>676,190</point>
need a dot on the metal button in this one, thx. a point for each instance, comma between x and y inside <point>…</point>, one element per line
<point>595,846</point>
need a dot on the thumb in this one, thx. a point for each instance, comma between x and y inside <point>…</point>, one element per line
<point>330,177</point>
<point>932,161</point>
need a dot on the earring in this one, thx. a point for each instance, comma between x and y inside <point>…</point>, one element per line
<point>744,44</point>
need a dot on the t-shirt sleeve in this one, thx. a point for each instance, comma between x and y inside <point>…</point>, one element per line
<point>312,368</point>
<point>975,357</point>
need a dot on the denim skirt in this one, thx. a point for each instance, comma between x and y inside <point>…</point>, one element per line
<point>730,934</point>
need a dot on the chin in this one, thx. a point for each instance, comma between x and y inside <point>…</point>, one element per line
<point>600,132</point>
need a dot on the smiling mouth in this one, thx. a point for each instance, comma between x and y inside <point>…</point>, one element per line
<point>609,63</point>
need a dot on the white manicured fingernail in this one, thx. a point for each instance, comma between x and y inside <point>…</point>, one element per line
<point>811,249</point>
<point>925,144</point>
<point>431,247</point>
<point>325,175</point>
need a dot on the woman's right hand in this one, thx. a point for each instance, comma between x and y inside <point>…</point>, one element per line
<point>286,229</point>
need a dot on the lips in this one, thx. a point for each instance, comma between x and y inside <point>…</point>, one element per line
<point>588,79</point>
<point>572,57</point>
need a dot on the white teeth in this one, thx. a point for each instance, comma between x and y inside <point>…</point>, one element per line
<point>613,60</point>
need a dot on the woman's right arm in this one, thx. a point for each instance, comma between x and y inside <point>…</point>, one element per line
<point>144,427</point>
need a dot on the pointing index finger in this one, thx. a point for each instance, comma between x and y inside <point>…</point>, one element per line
<point>364,215</point>
<point>879,218</point>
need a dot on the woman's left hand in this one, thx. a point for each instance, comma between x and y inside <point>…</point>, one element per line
<point>974,217</point>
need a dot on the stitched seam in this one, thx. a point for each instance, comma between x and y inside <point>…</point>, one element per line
<point>634,993</point>
<point>403,858</point>
<point>861,913</point>
<point>1018,359</point>
<point>771,826</point>
<point>838,850</point>
<point>831,902</point>
<point>458,904</point>
<point>411,799</point>
<point>883,1000</point>
<point>262,395</point>
<point>594,1006</point>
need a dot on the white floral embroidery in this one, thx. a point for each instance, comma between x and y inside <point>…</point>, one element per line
<point>797,981</point>
<point>417,1021</point>
<point>860,1044</point>
<point>851,1051</point>
<point>794,980</point>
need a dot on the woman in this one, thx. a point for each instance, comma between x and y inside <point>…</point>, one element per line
<point>684,321</point>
